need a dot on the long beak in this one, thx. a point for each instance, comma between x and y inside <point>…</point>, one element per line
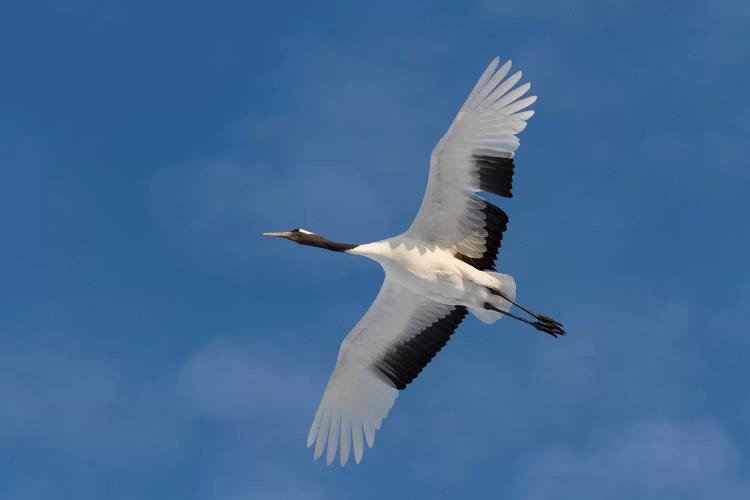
<point>282,235</point>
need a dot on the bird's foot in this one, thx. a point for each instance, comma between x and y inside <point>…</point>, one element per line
<point>547,319</point>
<point>551,329</point>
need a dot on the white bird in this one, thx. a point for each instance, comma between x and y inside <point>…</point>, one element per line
<point>440,268</point>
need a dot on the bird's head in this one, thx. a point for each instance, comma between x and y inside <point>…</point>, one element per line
<point>301,236</point>
<point>305,237</point>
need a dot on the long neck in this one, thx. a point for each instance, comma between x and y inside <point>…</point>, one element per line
<point>315,240</point>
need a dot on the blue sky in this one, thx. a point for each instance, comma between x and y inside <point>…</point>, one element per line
<point>154,345</point>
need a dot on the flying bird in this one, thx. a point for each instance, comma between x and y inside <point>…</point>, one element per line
<point>436,272</point>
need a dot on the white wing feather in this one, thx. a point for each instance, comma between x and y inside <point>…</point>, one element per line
<point>487,123</point>
<point>357,397</point>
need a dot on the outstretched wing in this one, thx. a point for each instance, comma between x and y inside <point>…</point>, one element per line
<point>391,344</point>
<point>476,154</point>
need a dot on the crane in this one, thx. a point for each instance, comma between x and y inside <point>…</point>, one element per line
<point>436,272</point>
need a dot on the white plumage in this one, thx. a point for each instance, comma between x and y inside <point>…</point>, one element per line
<point>487,122</point>
<point>435,272</point>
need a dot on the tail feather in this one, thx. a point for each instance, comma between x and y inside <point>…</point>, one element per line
<point>485,315</point>
<point>508,288</point>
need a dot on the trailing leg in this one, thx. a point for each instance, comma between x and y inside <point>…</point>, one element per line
<point>553,329</point>
<point>540,317</point>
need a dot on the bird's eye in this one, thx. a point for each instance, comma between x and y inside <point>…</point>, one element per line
<point>295,230</point>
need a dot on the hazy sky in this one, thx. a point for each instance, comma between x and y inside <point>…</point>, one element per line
<point>154,346</point>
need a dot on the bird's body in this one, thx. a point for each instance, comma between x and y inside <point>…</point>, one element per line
<point>436,272</point>
<point>432,272</point>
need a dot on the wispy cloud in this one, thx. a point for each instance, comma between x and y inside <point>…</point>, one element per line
<point>59,395</point>
<point>70,401</point>
<point>650,460</point>
<point>246,385</point>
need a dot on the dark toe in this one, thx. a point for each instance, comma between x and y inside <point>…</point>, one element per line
<point>548,328</point>
<point>547,319</point>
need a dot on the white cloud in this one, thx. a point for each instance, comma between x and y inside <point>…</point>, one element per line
<point>263,400</point>
<point>247,385</point>
<point>653,460</point>
<point>79,405</point>
<point>264,479</point>
<point>59,395</point>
